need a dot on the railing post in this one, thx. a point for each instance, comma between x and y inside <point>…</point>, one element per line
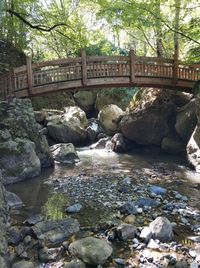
<point>29,75</point>
<point>175,68</point>
<point>132,65</point>
<point>84,68</point>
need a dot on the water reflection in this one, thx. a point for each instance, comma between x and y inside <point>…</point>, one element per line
<point>39,197</point>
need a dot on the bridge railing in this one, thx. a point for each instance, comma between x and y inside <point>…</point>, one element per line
<point>85,68</point>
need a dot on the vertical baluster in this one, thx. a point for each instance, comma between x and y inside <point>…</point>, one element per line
<point>84,68</point>
<point>132,65</point>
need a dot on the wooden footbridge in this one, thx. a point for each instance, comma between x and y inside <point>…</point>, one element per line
<point>87,72</point>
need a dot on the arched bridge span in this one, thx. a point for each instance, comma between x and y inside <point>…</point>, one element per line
<point>87,72</point>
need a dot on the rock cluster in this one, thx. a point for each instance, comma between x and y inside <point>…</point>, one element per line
<point>24,150</point>
<point>3,224</point>
<point>139,222</point>
<point>193,146</point>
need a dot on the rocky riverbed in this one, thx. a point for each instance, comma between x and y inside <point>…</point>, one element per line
<point>143,207</point>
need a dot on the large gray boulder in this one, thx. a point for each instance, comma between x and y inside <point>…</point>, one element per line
<point>65,153</point>
<point>70,127</point>
<point>120,144</point>
<point>186,120</point>
<point>193,146</point>
<point>3,222</point>
<point>94,129</point>
<point>193,149</point>
<point>91,250</point>
<point>149,125</point>
<point>110,117</point>
<point>85,100</point>
<point>18,116</point>
<point>18,160</point>
<point>75,264</point>
<point>161,229</point>
<point>23,264</point>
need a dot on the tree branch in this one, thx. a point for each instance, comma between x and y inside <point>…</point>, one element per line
<point>165,23</point>
<point>36,27</point>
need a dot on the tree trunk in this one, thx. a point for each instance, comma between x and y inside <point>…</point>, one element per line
<point>158,30</point>
<point>177,4</point>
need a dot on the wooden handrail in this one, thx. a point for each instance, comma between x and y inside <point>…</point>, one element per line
<point>105,70</point>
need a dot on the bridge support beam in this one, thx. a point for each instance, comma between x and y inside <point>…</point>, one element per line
<point>84,68</point>
<point>132,65</point>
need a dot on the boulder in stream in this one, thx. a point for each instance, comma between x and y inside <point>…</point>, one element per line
<point>18,116</point>
<point>18,160</point>
<point>186,120</point>
<point>91,250</point>
<point>120,144</point>
<point>70,127</point>
<point>109,117</point>
<point>64,153</point>
<point>150,125</point>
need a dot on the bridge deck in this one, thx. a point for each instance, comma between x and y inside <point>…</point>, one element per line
<point>99,71</point>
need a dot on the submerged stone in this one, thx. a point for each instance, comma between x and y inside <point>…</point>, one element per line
<point>13,200</point>
<point>33,219</point>
<point>65,153</point>
<point>146,202</point>
<point>128,208</point>
<point>158,190</point>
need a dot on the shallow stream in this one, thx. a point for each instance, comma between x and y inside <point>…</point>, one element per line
<point>103,181</point>
<point>102,169</point>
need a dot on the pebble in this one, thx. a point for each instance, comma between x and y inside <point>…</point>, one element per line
<point>74,208</point>
<point>192,253</point>
<point>152,244</point>
<point>120,261</point>
<point>194,265</point>
<point>146,233</point>
<point>130,219</point>
<point>198,258</point>
<point>140,210</point>
<point>184,220</point>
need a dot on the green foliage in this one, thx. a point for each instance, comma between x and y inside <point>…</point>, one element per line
<point>103,27</point>
<point>104,47</point>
